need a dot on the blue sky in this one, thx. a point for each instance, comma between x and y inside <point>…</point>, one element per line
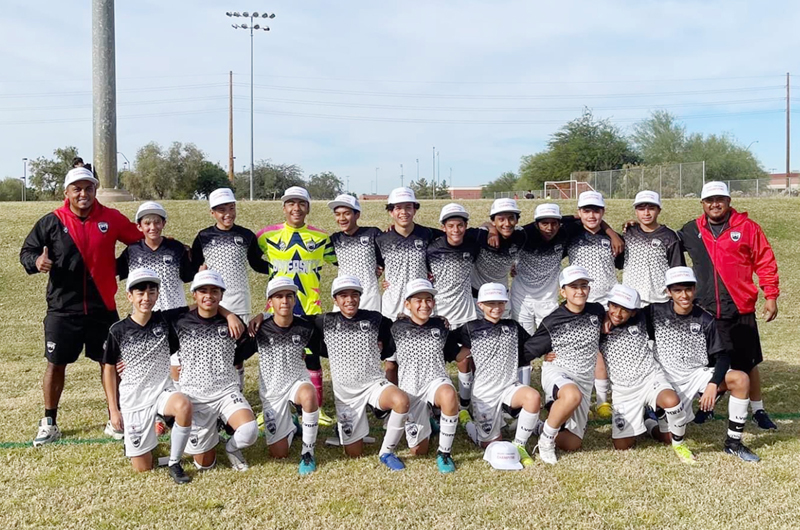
<point>351,86</point>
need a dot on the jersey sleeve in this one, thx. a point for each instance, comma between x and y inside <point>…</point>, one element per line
<point>378,254</point>
<point>766,267</point>
<point>318,322</point>
<point>539,345</point>
<point>451,346</point>
<point>111,350</point>
<point>122,264</point>
<point>256,257</point>
<point>186,269</point>
<point>246,347</point>
<point>33,246</point>
<point>716,350</point>
<point>522,339</point>
<point>197,253</point>
<point>330,252</point>
<point>127,231</point>
<point>385,337</point>
<point>463,337</point>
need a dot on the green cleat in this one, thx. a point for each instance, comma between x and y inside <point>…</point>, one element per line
<point>524,458</point>
<point>464,417</point>
<point>684,454</point>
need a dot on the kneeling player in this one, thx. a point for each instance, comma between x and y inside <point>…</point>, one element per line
<point>695,360</point>
<point>495,345</point>
<point>352,340</point>
<point>142,342</point>
<point>422,344</point>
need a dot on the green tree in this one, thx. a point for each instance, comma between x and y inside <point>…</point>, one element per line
<point>47,174</point>
<point>504,183</point>
<point>170,174</point>
<point>11,190</point>
<point>325,185</point>
<point>211,177</point>
<point>660,139</point>
<point>269,180</point>
<point>425,190</point>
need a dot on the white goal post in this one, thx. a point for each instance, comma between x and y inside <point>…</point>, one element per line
<point>565,189</point>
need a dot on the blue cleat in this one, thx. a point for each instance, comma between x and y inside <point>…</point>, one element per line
<point>763,420</point>
<point>434,426</point>
<point>445,462</point>
<point>738,449</point>
<point>307,464</point>
<point>391,461</point>
<point>703,416</point>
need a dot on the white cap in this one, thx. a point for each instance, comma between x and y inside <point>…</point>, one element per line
<point>714,189</point>
<point>79,173</point>
<point>221,196</point>
<point>207,277</point>
<point>493,292</point>
<point>419,285</point>
<point>400,195</point>
<point>453,210</point>
<point>647,197</point>
<point>280,283</point>
<point>150,207</point>
<point>591,198</point>
<point>137,276</point>
<point>348,201</point>
<point>344,283</point>
<point>571,274</point>
<point>503,456</point>
<point>625,296</point>
<point>680,275</point>
<point>296,192</point>
<point>504,206</point>
<point>547,211</point>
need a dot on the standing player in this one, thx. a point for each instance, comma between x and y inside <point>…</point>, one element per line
<point>75,246</point>
<point>695,360</point>
<point>726,248</point>
<point>495,345</point>
<point>142,342</point>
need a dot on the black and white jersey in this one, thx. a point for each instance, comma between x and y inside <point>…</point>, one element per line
<point>593,252</point>
<point>493,265</point>
<point>539,264</point>
<point>496,350</point>
<point>403,260</point>
<point>353,348</point>
<point>648,255</point>
<point>357,255</point>
<point>280,354</point>
<point>422,351</point>
<point>573,337</point>
<point>685,343</point>
<point>170,260</point>
<point>145,350</point>
<point>451,268</point>
<point>207,356</point>
<point>628,352</point>
<point>228,252</point>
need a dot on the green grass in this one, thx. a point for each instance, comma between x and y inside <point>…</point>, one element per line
<point>83,483</point>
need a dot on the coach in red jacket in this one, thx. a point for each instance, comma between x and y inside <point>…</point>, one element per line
<point>726,248</point>
<point>75,244</point>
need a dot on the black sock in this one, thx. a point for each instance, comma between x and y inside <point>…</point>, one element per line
<point>464,402</point>
<point>51,413</point>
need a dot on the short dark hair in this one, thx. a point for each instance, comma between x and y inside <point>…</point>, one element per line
<point>491,217</point>
<point>77,162</point>
<point>684,284</point>
<point>390,207</point>
<point>144,286</point>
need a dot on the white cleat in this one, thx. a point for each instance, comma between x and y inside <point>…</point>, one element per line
<point>48,432</point>
<point>547,453</point>
<point>237,460</point>
<point>111,432</point>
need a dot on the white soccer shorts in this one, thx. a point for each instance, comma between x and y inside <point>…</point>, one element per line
<point>629,402</point>
<point>351,414</point>
<point>554,378</point>
<point>205,435</point>
<point>277,415</point>
<point>139,426</point>
<point>418,424</point>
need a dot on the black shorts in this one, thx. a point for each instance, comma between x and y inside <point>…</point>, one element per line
<point>740,337</point>
<point>66,335</point>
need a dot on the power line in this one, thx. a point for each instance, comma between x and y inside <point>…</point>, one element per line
<point>127,90</point>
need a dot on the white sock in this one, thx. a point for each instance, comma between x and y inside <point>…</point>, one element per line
<point>176,385</point>
<point>240,371</point>
<point>447,432</point>
<point>663,424</point>
<point>310,428</point>
<point>676,419</point>
<point>245,436</point>
<point>204,468</point>
<point>395,428</point>
<point>755,406</point>
<point>178,438</point>
<point>526,422</point>
<point>465,388</point>
<point>737,416</point>
<point>524,375</point>
<point>650,426</point>
<point>548,436</point>
<point>601,390</point>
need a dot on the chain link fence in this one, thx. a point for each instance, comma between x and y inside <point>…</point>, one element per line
<point>670,181</point>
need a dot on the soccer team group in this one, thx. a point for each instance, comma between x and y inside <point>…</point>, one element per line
<point>407,301</point>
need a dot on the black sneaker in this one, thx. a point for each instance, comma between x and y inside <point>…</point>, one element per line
<point>178,474</point>
<point>763,420</point>
<point>737,448</point>
<point>702,416</point>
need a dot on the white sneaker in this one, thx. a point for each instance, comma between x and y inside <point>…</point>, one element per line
<point>48,432</point>
<point>472,432</point>
<point>112,432</point>
<point>547,453</point>
<point>237,460</point>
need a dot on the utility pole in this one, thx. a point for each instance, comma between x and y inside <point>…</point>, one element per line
<point>376,180</point>
<point>433,173</point>
<point>348,183</point>
<point>451,178</point>
<point>438,173</point>
<point>788,140</point>
<point>230,128</point>
<point>417,169</point>
<point>401,175</point>
<point>24,177</point>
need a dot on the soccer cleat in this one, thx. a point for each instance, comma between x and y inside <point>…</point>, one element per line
<point>48,432</point>
<point>472,432</point>
<point>112,432</point>
<point>737,448</point>
<point>391,461</point>
<point>702,416</point>
<point>464,417</point>
<point>445,462</point>
<point>524,458</point>
<point>237,460</point>
<point>434,426</point>
<point>178,474</point>
<point>763,420</point>
<point>307,464</point>
<point>547,453</point>
<point>604,410</point>
<point>298,429</point>
<point>260,421</point>
<point>161,426</point>
<point>324,419</point>
<point>684,453</point>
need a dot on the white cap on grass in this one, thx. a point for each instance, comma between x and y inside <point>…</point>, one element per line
<point>419,285</point>
<point>453,210</point>
<point>591,198</point>
<point>573,273</point>
<point>221,196</point>
<point>647,197</point>
<point>625,296</point>
<point>150,208</point>
<point>503,456</point>
<point>348,201</point>
<point>401,195</point>
<point>547,211</point>
<point>345,283</point>
<point>504,206</point>
<point>296,192</point>
<point>79,173</point>
<point>492,292</point>
<point>137,276</point>
<point>280,283</point>
<point>680,275</point>
<point>714,189</point>
<point>207,277</point>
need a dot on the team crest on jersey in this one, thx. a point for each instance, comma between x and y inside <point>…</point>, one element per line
<point>239,240</point>
<point>418,244</point>
<point>364,241</point>
<point>606,243</point>
<point>436,333</point>
<point>296,340</point>
<point>139,260</point>
<point>412,429</point>
<point>193,440</point>
<point>466,255</point>
<point>103,226</point>
<point>346,422</point>
<point>311,244</point>
<point>51,346</point>
<point>66,230</point>
<point>695,327</point>
<point>655,243</point>
<point>282,245</point>
<point>633,330</point>
<point>594,320</point>
<point>158,331</point>
<point>269,421</point>
<point>364,325</point>
<point>558,248</point>
<point>619,421</point>
<point>505,329</point>
<point>168,259</point>
<point>271,341</point>
<point>222,331</point>
<point>736,236</point>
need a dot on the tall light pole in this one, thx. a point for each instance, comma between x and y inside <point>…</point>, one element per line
<point>401,175</point>
<point>750,145</point>
<point>252,26</point>
<point>438,172</point>
<point>127,165</point>
<point>433,173</point>
<point>24,177</point>
<point>376,180</point>
<point>417,169</point>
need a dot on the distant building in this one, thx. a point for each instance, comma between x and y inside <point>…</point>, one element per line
<point>466,192</point>
<point>777,181</point>
<point>372,197</point>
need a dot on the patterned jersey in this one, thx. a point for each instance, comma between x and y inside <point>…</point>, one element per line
<point>299,254</point>
<point>170,260</point>
<point>451,268</point>
<point>422,351</point>
<point>573,337</point>
<point>538,265</point>
<point>145,350</point>
<point>648,255</point>
<point>228,252</point>
<point>493,265</point>
<point>628,353</point>
<point>357,255</point>
<point>280,355</point>
<point>593,252</point>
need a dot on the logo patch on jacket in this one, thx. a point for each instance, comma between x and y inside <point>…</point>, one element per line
<point>103,226</point>
<point>736,236</point>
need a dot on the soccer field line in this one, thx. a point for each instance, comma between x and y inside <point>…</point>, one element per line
<point>86,441</point>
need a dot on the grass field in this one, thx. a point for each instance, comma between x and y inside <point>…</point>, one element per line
<point>85,481</point>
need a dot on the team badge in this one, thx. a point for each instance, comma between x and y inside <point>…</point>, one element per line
<point>619,421</point>
<point>222,331</point>
<point>364,241</point>
<point>282,245</point>
<point>51,347</point>
<point>594,320</point>
<point>695,327</point>
<point>139,260</point>
<point>66,230</point>
<point>412,430</point>
<point>655,243</point>
<point>269,421</point>
<point>158,331</point>
<point>558,249</point>
<point>633,330</point>
<point>135,437</point>
<point>193,440</point>
<point>606,243</point>
<point>364,325</point>
<point>418,244</point>
<point>239,240</point>
<point>346,422</point>
<point>436,333</point>
<point>311,244</point>
<point>296,340</point>
<point>271,341</point>
<point>168,259</point>
<point>487,426</point>
<point>103,226</point>
<point>466,255</point>
<point>736,236</point>
<point>505,329</point>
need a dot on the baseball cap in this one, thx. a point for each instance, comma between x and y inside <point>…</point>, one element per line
<point>348,201</point>
<point>680,275</point>
<point>420,285</point>
<point>79,173</point>
<point>137,276</point>
<point>221,196</point>
<point>150,207</point>
<point>207,277</point>
<point>493,292</point>
<point>503,456</point>
<point>591,198</point>
<point>714,189</point>
<point>571,274</point>
<point>400,195</point>
<point>547,211</point>
<point>296,192</point>
<point>453,210</point>
<point>504,206</point>
<point>344,283</point>
<point>280,283</point>
<point>625,296</point>
<point>647,197</point>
